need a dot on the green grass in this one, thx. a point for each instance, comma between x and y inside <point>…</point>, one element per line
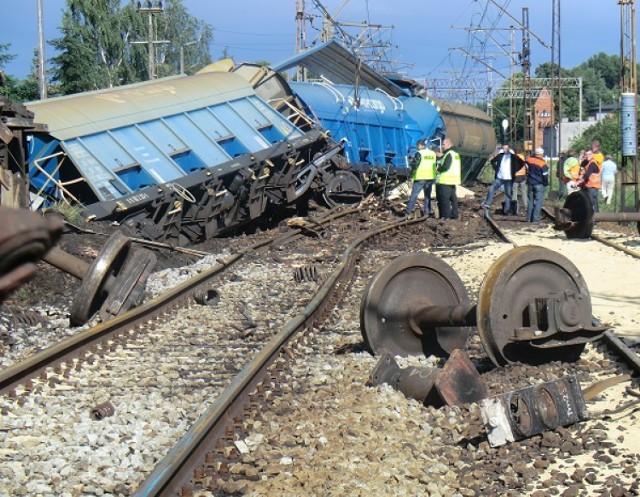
<point>71,213</point>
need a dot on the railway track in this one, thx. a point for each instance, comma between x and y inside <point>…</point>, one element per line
<point>231,465</point>
<point>379,440</point>
<point>62,367</point>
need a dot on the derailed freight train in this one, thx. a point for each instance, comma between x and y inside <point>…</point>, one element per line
<point>185,158</point>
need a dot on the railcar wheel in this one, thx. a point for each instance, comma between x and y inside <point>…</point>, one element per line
<point>98,283</point>
<point>395,291</point>
<point>581,207</point>
<point>515,280</point>
<point>344,188</point>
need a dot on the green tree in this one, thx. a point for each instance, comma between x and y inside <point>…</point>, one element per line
<point>185,34</point>
<point>92,48</point>
<point>607,68</point>
<point>607,131</point>
<point>4,56</point>
<point>20,90</point>
<point>97,49</point>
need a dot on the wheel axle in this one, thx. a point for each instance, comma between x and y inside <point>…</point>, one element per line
<point>533,307</point>
<point>112,284</point>
<point>576,217</point>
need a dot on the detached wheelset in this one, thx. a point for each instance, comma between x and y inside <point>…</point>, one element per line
<point>577,218</point>
<point>112,284</point>
<point>533,307</point>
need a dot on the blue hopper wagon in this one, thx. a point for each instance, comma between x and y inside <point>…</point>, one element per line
<point>178,159</point>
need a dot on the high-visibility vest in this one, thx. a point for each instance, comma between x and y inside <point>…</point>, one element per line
<point>453,175</point>
<point>523,170</point>
<point>571,169</point>
<point>427,167</point>
<point>599,158</point>
<point>595,179</point>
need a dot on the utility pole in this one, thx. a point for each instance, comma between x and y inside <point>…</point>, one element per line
<point>556,80</point>
<point>301,37</point>
<point>512,75</point>
<point>150,8</point>
<point>42,82</point>
<point>182,54</point>
<point>629,104</point>
<point>529,133</point>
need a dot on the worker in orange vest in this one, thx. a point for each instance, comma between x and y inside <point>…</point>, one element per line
<point>590,177</point>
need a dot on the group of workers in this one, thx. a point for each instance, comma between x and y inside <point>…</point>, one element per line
<point>518,177</point>
<point>592,171</point>
<point>513,171</point>
<point>440,168</point>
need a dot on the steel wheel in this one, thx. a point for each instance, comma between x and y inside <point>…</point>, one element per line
<point>403,284</point>
<point>581,207</point>
<point>97,284</point>
<point>344,188</point>
<point>512,282</point>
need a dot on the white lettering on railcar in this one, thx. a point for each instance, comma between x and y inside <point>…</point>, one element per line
<point>369,103</point>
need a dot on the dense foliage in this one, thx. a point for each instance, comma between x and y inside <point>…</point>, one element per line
<point>105,44</point>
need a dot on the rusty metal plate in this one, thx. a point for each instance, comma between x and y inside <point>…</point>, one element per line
<point>532,410</point>
<point>459,381</point>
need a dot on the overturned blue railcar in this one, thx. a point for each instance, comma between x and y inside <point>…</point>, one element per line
<point>381,117</point>
<point>185,158</point>
<point>182,158</point>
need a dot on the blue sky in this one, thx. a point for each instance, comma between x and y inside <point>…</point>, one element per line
<point>430,36</point>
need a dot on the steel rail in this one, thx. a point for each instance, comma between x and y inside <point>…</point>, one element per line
<point>496,228</point>
<point>615,343</point>
<point>175,470</point>
<point>616,246</point>
<point>78,344</point>
<point>598,238</point>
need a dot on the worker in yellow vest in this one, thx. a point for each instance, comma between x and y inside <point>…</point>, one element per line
<point>448,176</point>
<point>598,156</point>
<point>424,174</point>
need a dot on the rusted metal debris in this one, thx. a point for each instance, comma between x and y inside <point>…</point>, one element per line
<point>102,411</point>
<point>456,383</point>
<point>25,237</point>
<point>530,411</point>
<point>112,284</point>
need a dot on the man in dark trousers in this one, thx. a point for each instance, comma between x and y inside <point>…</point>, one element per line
<point>590,179</point>
<point>505,165</point>
<point>537,181</point>
<point>448,175</point>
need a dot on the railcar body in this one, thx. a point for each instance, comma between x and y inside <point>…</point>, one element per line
<point>182,158</point>
<point>380,119</point>
<point>377,131</point>
<point>188,157</point>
